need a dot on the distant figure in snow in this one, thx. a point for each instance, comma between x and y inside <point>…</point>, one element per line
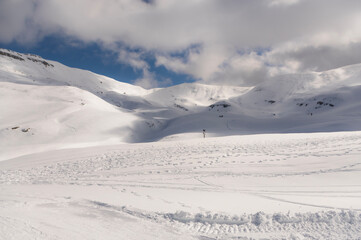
<point>204,133</point>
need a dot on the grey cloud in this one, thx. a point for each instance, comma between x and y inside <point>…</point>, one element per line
<point>172,25</point>
<point>16,21</point>
<point>322,58</point>
<point>242,71</point>
<point>222,28</point>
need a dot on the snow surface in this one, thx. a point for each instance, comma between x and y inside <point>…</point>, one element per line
<point>86,157</point>
<point>286,186</point>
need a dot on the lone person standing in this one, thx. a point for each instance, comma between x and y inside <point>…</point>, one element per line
<point>204,133</point>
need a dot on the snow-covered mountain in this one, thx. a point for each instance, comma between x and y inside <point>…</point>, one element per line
<point>46,105</point>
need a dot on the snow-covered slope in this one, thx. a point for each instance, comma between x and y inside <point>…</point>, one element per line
<point>266,186</point>
<point>37,118</point>
<point>47,105</point>
<point>191,95</point>
<point>32,69</point>
<point>56,184</point>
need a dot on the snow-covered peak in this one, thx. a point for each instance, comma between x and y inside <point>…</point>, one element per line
<point>45,103</point>
<point>195,94</point>
<point>32,69</point>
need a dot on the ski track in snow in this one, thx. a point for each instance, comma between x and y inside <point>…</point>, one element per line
<point>297,186</point>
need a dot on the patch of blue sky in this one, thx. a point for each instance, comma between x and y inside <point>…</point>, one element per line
<point>93,57</point>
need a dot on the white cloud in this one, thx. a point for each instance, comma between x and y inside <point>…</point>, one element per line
<point>282,2</point>
<point>198,62</point>
<point>290,29</point>
<point>149,80</point>
<point>134,59</point>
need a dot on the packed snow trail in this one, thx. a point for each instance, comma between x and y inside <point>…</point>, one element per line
<point>293,186</point>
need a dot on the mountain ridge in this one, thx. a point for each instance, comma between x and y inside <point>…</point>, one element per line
<point>47,104</point>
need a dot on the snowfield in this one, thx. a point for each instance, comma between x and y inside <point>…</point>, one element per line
<point>287,186</point>
<point>83,156</point>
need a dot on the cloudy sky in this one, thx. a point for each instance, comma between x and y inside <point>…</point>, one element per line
<point>158,43</point>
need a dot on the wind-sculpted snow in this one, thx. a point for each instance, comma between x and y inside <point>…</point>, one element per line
<point>277,186</point>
